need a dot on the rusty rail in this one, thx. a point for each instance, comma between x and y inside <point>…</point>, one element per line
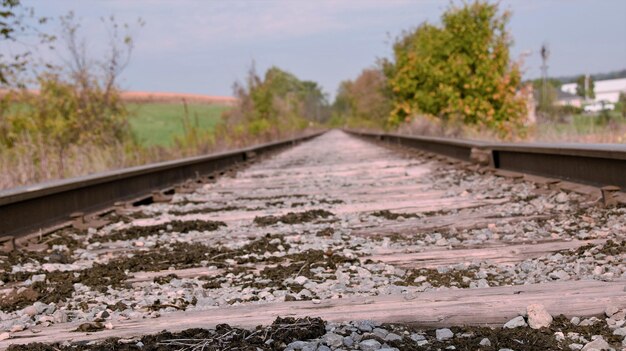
<point>29,208</point>
<point>593,164</point>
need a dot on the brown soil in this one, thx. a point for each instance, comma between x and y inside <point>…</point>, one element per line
<point>326,232</point>
<point>386,214</point>
<point>224,337</point>
<point>293,217</point>
<point>176,226</point>
<point>436,279</point>
<point>290,266</point>
<point>331,202</point>
<point>610,248</point>
<point>166,279</point>
<point>59,286</point>
<point>286,330</point>
<point>14,301</point>
<point>205,210</point>
<point>90,327</point>
<point>519,339</point>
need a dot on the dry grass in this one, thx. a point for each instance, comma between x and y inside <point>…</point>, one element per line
<point>34,161</point>
<point>576,129</point>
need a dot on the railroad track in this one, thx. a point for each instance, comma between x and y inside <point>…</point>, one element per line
<point>335,236</point>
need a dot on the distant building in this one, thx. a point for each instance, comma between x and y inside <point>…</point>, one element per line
<point>565,98</point>
<point>605,90</point>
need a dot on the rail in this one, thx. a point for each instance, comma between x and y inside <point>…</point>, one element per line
<point>593,164</point>
<point>29,208</point>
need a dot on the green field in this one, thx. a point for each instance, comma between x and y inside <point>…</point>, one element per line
<point>159,123</point>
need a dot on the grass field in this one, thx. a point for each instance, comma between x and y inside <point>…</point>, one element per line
<point>584,128</point>
<point>159,123</point>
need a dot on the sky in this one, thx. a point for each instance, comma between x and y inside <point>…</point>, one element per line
<point>203,47</point>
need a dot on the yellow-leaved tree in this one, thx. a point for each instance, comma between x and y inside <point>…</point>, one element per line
<point>459,71</point>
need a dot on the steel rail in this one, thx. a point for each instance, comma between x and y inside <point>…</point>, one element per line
<point>30,208</point>
<point>592,164</point>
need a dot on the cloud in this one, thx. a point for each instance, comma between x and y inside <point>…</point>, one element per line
<point>249,22</point>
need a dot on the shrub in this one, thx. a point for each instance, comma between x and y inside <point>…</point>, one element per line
<point>460,70</point>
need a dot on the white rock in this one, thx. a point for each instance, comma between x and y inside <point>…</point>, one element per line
<point>17,328</point>
<point>379,332</point>
<point>620,331</point>
<point>588,321</point>
<point>575,346</point>
<point>575,320</point>
<point>5,336</point>
<point>538,317</point>
<point>611,310</point>
<point>60,316</point>
<point>30,311</point>
<point>559,275</point>
<point>301,279</point>
<point>516,322</point>
<point>485,342</point>
<point>369,345</point>
<point>48,319</point>
<point>417,337</point>
<point>38,278</point>
<point>332,340</point>
<point>444,334</point>
<point>561,198</point>
<point>597,345</point>
<point>393,337</point>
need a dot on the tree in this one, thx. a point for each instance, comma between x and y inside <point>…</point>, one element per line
<point>585,87</point>
<point>77,104</point>
<point>364,102</point>
<point>272,105</point>
<point>16,23</point>
<point>460,70</point>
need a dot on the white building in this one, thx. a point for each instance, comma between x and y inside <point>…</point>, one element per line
<point>605,90</point>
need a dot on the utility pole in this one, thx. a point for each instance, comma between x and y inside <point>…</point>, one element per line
<point>545,53</point>
<point>586,86</point>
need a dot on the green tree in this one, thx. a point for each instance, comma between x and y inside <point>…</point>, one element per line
<point>585,87</point>
<point>364,102</point>
<point>460,70</point>
<point>273,105</point>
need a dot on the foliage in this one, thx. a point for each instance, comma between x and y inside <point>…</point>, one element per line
<point>621,105</point>
<point>8,24</point>
<point>14,24</point>
<point>460,70</point>
<point>268,107</point>
<point>364,102</point>
<point>194,138</point>
<point>77,105</point>
<point>65,113</point>
<point>583,90</point>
